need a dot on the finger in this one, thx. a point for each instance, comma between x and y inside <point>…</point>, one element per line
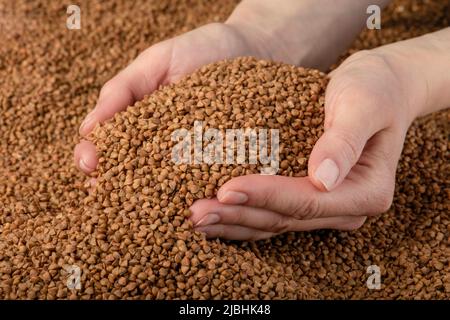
<point>231,232</point>
<point>209,211</point>
<point>86,156</point>
<point>296,197</point>
<point>367,190</point>
<point>352,117</point>
<point>141,77</point>
<point>344,223</point>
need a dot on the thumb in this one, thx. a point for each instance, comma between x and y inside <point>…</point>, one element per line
<point>349,123</point>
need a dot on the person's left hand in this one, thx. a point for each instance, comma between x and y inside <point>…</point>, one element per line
<point>351,170</point>
<point>163,63</point>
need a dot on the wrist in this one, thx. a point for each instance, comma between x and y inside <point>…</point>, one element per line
<point>310,33</point>
<point>410,89</point>
<point>256,42</point>
<point>421,64</point>
<point>260,27</point>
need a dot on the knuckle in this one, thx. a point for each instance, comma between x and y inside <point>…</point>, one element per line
<point>280,225</point>
<point>238,216</point>
<point>268,197</point>
<point>350,145</point>
<point>371,203</point>
<point>382,199</point>
<point>308,209</point>
<point>352,96</point>
<point>385,202</point>
<point>272,196</point>
<point>381,203</point>
<point>352,84</point>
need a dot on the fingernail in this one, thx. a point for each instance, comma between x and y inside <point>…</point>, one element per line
<point>84,166</point>
<point>86,124</point>
<point>327,173</point>
<point>233,197</point>
<point>210,218</point>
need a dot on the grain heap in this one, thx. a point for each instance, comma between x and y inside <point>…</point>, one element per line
<point>50,80</point>
<point>142,197</point>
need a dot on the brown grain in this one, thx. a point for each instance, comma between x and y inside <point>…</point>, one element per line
<point>50,80</point>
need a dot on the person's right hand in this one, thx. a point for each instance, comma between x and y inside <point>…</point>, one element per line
<point>370,101</point>
<point>164,63</point>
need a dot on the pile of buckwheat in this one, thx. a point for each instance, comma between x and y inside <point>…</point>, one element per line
<point>130,237</point>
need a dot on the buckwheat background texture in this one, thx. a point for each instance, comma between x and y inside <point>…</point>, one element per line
<point>127,248</point>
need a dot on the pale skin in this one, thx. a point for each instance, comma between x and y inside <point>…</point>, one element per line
<point>371,100</point>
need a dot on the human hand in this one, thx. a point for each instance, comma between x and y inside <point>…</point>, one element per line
<point>161,64</point>
<point>351,170</point>
<point>259,28</point>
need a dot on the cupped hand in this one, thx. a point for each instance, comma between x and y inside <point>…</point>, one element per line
<point>161,64</point>
<point>351,170</point>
